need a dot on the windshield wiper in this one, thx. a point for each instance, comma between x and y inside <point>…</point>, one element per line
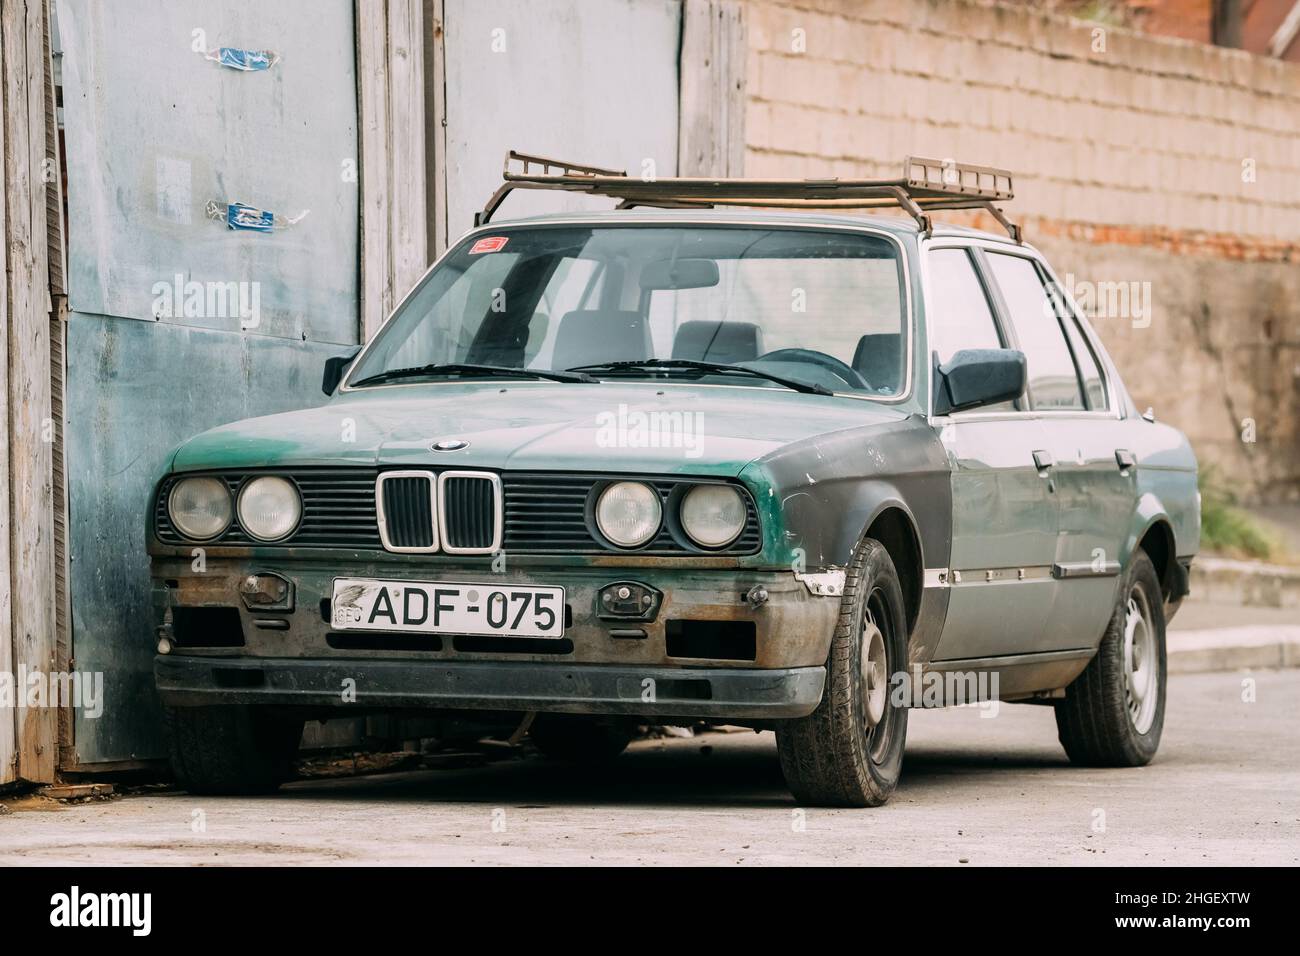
<point>722,367</point>
<point>468,370</point>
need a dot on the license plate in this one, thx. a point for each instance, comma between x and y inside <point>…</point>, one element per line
<point>445,607</point>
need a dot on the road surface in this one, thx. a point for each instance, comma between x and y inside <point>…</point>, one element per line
<point>1224,789</point>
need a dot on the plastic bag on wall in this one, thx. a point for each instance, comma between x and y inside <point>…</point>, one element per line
<point>239,216</point>
<point>247,61</point>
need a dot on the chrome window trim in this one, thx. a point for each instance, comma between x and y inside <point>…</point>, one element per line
<point>382,521</point>
<point>498,511</point>
<point>907,323</point>
<point>1108,372</point>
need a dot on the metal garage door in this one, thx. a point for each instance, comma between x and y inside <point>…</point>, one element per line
<point>590,81</point>
<point>180,322</point>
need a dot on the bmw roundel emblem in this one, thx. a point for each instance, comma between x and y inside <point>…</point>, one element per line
<point>450,444</point>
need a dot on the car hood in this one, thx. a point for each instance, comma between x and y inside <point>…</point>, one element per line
<point>648,427</point>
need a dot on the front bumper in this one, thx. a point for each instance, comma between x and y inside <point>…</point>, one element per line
<point>296,656</point>
<point>733,693</point>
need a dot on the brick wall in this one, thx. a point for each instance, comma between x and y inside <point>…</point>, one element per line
<point>1137,159</point>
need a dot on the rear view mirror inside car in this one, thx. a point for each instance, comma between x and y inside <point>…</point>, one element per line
<point>679,274</point>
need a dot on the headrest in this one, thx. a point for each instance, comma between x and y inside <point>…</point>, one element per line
<point>600,335</point>
<point>706,340</point>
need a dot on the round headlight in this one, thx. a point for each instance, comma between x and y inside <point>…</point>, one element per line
<point>713,515</point>
<point>199,507</point>
<point>628,513</point>
<point>269,508</point>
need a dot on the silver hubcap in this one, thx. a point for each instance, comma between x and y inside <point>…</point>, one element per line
<point>1141,664</point>
<point>875,674</point>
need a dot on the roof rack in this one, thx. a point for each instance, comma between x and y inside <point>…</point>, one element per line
<point>926,185</point>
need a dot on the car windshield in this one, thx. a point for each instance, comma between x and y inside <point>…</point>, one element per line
<point>767,307</point>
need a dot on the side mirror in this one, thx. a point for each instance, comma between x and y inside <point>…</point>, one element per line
<point>335,368</point>
<point>976,377</point>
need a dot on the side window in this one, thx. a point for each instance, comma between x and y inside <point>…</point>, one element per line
<point>1094,387</point>
<point>960,317</point>
<point>1053,378</point>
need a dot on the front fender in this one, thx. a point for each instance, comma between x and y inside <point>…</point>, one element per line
<point>818,497</point>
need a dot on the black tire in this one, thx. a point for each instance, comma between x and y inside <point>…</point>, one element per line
<point>831,757</point>
<point>1095,724</point>
<point>578,739</point>
<point>230,749</point>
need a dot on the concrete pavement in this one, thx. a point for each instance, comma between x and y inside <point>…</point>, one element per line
<point>1223,790</point>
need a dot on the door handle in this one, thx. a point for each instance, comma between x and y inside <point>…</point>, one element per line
<point>1125,459</point>
<point>1043,460</point>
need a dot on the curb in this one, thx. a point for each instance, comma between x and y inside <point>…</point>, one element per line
<point>1253,583</point>
<point>1233,648</point>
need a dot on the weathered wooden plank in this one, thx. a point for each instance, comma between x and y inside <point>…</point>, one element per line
<point>407,151</point>
<point>8,720</point>
<point>390,74</point>
<point>76,791</point>
<point>435,127</point>
<point>731,78</point>
<point>711,140</point>
<point>372,104</point>
<point>31,529</point>
<point>62,570</point>
<point>51,174</point>
<point>56,247</point>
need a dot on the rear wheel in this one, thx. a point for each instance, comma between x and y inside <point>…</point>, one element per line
<point>849,751</point>
<point>1114,712</point>
<point>230,749</point>
<point>578,739</point>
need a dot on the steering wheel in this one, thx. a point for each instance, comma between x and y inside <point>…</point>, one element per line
<point>841,370</point>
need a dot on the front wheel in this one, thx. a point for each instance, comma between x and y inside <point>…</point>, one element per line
<point>1114,712</point>
<point>849,751</point>
<point>230,749</point>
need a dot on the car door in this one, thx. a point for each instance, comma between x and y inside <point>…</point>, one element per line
<point>1004,518</point>
<point>1093,473</point>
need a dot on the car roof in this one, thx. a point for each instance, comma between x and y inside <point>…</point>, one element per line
<point>897,225</point>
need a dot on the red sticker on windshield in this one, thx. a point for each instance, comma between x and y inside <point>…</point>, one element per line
<point>489,244</point>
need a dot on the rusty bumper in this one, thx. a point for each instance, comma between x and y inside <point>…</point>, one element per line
<point>708,649</point>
